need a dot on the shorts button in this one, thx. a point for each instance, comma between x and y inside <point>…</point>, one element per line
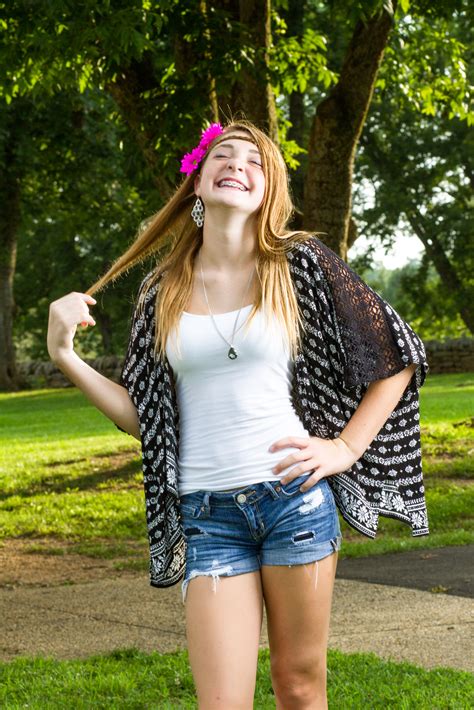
<point>278,488</point>
<point>241,498</point>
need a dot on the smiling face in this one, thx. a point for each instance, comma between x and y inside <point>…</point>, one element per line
<point>232,175</point>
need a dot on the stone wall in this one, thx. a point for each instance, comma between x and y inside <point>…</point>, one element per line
<point>454,355</point>
<point>443,356</point>
<point>37,374</point>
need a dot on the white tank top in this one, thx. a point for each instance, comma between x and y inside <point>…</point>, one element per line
<point>230,411</point>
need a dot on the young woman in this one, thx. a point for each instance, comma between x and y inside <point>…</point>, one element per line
<point>269,387</point>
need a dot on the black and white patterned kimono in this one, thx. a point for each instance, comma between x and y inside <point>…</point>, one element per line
<point>352,337</point>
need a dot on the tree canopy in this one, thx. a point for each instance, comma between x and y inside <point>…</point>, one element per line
<point>100,100</point>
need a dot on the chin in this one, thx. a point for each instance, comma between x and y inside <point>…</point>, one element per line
<point>231,201</point>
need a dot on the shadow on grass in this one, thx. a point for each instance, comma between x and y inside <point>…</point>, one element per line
<point>60,483</point>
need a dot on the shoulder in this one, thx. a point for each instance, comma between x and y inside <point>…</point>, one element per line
<point>315,253</point>
<point>311,254</point>
<point>312,247</point>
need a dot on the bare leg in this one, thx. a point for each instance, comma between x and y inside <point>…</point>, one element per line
<point>298,603</point>
<point>223,624</point>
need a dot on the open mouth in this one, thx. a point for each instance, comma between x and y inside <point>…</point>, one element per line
<point>232,185</point>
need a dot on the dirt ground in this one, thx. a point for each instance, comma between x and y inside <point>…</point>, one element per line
<point>20,566</point>
<point>447,570</point>
<point>69,605</point>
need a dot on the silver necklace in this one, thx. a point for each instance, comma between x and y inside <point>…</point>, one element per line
<point>232,354</point>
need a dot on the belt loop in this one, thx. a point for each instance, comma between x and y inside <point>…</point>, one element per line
<point>206,503</point>
<point>269,486</point>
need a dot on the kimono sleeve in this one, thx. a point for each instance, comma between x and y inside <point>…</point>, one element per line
<point>374,341</point>
<point>137,362</point>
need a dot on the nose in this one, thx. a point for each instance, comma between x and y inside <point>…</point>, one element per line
<point>235,163</point>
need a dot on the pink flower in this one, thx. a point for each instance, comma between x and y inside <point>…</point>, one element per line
<point>191,160</point>
<point>208,135</point>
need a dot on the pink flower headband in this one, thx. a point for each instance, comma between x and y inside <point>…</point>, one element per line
<point>190,161</point>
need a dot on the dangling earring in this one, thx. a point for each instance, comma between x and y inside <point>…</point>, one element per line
<point>197,212</point>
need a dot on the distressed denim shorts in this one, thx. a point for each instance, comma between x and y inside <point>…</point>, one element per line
<point>234,532</point>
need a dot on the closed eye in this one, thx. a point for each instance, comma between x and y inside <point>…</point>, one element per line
<point>221,155</point>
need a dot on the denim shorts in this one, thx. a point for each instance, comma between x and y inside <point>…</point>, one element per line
<point>231,533</point>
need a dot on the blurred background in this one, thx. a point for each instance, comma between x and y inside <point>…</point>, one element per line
<point>369,102</point>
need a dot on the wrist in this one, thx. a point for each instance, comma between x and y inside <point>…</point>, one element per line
<point>345,445</point>
<point>59,357</point>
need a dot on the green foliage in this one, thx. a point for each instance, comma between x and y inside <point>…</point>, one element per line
<point>289,148</point>
<point>298,62</point>
<point>433,81</point>
<point>75,220</point>
<point>51,45</point>
<point>101,101</point>
<point>414,173</point>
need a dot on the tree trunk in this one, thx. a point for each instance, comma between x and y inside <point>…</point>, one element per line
<point>335,132</point>
<point>294,19</point>
<point>211,81</point>
<point>252,94</point>
<point>10,187</point>
<point>125,91</point>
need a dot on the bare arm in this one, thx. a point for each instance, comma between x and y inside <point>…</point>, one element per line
<point>378,402</point>
<point>109,397</point>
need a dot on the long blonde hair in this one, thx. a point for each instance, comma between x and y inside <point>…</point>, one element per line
<point>173,231</point>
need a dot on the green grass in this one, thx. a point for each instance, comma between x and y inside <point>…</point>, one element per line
<point>69,475</point>
<point>67,472</point>
<point>447,407</point>
<point>132,679</point>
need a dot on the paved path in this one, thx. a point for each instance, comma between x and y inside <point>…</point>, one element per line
<point>449,570</point>
<point>426,628</point>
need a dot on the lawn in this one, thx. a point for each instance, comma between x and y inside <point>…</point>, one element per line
<point>68,474</point>
<point>132,679</point>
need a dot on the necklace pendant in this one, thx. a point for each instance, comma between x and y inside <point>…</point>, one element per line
<point>232,354</point>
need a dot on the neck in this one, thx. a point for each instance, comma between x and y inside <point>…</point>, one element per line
<point>229,245</point>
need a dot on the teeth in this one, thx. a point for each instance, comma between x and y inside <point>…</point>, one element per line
<point>231,183</point>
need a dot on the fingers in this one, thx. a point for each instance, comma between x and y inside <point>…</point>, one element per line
<point>296,441</point>
<point>65,314</point>
<point>293,458</point>
<point>73,308</point>
<point>324,456</point>
<point>310,482</point>
<point>88,299</point>
<point>315,477</point>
